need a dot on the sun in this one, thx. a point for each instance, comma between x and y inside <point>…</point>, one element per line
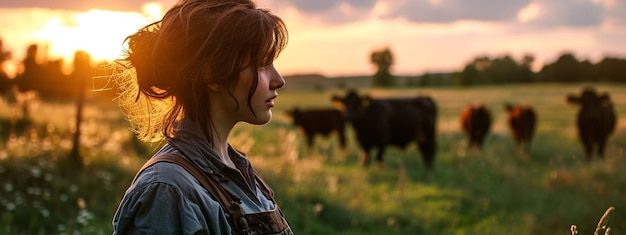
<point>98,32</point>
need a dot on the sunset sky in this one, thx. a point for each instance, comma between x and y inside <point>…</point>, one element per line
<point>336,37</point>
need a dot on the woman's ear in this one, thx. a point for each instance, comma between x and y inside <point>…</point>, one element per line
<point>216,87</point>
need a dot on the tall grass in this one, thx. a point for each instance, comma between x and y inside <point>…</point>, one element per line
<point>326,190</point>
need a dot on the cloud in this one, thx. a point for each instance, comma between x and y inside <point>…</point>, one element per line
<point>615,14</point>
<point>314,6</point>
<point>443,11</point>
<point>544,13</point>
<point>327,12</point>
<point>309,6</point>
<point>569,13</point>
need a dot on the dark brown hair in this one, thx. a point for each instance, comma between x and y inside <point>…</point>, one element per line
<point>199,42</point>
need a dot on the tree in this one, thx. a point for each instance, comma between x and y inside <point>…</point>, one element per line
<point>5,83</point>
<point>611,69</point>
<point>43,75</point>
<point>383,60</point>
<point>567,69</point>
<point>502,70</point>
<point>526,73</point>
<point>586,69</point>
<point>469,76</point>
<point>547,73</point>
<point>474,72</point>
<point>31,70</point>
<point>82,71</point>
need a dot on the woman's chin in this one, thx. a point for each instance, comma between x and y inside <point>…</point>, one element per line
<point>261,119</point>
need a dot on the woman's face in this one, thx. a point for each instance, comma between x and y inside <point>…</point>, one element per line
<point>263,98</point>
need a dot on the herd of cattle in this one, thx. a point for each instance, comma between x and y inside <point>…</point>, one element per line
<point>379,122</point>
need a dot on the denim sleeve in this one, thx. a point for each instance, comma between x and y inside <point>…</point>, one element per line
<point>161,208</point>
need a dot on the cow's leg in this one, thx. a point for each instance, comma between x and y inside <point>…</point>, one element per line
<point>588,145</point>
<point>470,142</point>
<point>601,147</point>
<point>379,156</point>
<point>342,139</point>
<point>527,143</point>
<point>309,140</point>
<point>427,149</point>
<point>366,157</point>
<point>474,145</point>
<point>523,147</point>
<point>481,140</point>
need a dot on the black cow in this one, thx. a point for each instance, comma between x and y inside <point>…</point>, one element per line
<point>399,121</point>
<point>522,120</point>
<point>320,121</point>
<point>476,122</point>
<point>596,120</point>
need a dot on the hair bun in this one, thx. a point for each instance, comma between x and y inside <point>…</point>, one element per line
<point>142,56</point>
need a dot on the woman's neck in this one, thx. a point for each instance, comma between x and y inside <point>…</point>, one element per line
<point>219,141</point>
<point>222,151</point>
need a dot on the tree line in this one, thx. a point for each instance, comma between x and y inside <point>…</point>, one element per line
<point>37,72</point>
<point>46,76</point>
<point>504,70</point>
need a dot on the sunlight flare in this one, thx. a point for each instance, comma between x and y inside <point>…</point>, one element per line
<point>98,32</point>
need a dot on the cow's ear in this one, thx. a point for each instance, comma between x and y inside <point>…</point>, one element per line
<point>335,98</point>
<point>337,103</point>
<point>605,98</point>
<point>572,99</point>
<point>365,100</point>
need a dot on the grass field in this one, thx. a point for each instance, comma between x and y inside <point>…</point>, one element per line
<point>325,190</point>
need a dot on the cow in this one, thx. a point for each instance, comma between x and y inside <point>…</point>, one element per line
<point>381,122</point>
<point>322,121</point>
<point>596,120</point>
<point>476,123</point>
<point>522,120</point>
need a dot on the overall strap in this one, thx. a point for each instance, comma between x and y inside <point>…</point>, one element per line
<point>264,187</point>
<point>229,201</point>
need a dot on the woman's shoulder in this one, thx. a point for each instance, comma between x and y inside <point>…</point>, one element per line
<point>166,174</point>
<point>166,188</point>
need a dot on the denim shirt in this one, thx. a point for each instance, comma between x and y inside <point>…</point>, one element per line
<point>166,199</point>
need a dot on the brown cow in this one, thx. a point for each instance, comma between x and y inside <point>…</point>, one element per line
<point>476,122</point>
<point>522,121</point>
<point>596,120</point>
<point>320,121</point>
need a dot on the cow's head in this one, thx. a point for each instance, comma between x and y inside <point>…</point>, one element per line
<point>295,115</point>
<point>352,103</point>
<point>516,109</point>
<point>589,98</point>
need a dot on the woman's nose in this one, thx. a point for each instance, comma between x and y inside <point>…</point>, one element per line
<point>277,81</point>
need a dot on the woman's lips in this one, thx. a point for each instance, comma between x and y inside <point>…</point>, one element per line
<point>270,102</point>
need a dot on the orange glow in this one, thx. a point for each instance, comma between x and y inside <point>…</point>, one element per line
<point>98,32</point>
<point>320,45</point>
<point>153,10</point>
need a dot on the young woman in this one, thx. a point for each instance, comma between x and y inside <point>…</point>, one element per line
<point>190,78</point>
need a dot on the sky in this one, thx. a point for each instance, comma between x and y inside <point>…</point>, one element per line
<point>336,37</point>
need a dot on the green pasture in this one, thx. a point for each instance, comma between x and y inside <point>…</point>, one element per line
<point>326,190</point>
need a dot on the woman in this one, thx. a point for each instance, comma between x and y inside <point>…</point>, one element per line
<point>189,78</point>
